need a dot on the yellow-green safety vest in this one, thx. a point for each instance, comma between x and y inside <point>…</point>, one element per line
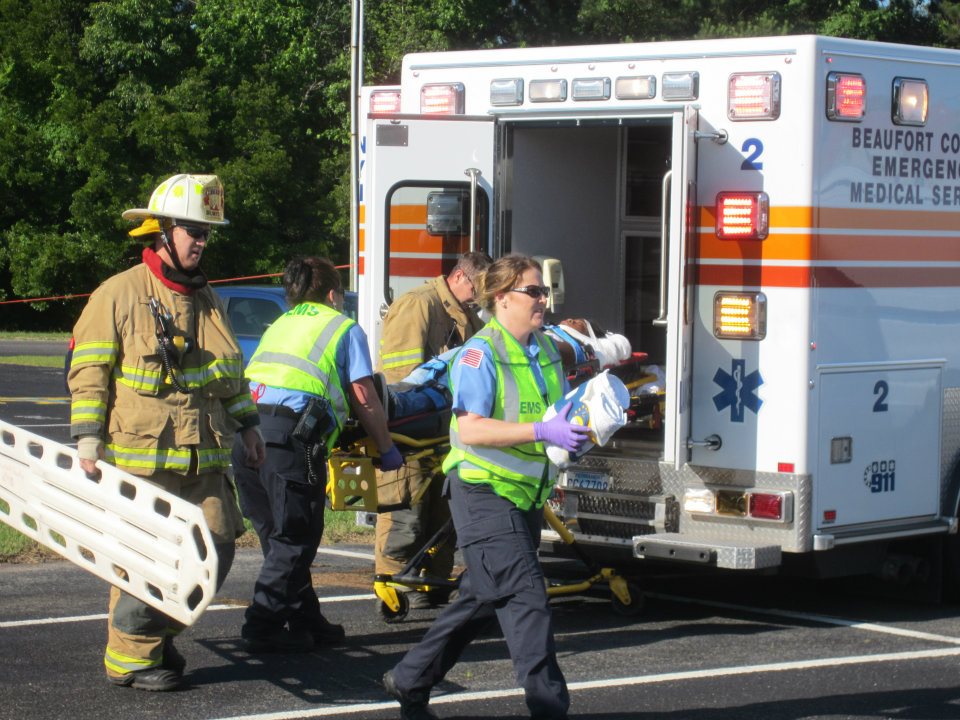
<point>521,474</point>
<point>298,352</point>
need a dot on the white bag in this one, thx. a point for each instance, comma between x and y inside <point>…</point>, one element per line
<point>600,404</point>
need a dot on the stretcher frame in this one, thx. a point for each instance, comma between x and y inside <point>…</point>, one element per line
<point>352,485</point>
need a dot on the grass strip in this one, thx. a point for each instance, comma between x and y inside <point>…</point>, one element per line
<point>339,527</point>
<point>51,361</point>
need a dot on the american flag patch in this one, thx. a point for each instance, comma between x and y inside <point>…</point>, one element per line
<point>471,357</point>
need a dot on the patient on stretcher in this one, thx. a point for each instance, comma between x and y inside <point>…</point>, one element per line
<point>585,349</point>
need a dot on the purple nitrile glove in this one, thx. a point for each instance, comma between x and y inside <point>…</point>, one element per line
<point>391,459</point>
<point>558,431</point>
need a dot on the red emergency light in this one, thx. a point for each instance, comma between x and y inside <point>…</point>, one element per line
<point>442,99</point>
<point>743,215</point>
<point>846,97</point>
<point>385,101</point>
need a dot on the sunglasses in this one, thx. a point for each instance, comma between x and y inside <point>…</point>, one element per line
<point>534,291</point>
<point>197,233</point>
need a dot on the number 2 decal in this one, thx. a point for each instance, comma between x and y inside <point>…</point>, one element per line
<point>755,148</point>
<point>881,389</point>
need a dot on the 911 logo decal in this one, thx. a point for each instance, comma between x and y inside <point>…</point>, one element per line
<point>880,476</point>
<point>738,390</point>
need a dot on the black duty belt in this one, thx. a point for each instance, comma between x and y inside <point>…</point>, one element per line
<point>278,410</point>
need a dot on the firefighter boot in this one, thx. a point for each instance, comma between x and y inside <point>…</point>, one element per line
<point>412,707</point>
<point>172,659</point>
<point>155,679</point>
<point>322,630</point>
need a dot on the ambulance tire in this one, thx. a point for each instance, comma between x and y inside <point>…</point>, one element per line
<point>951,570</point>
<point>389,615</point>
<point>636,602</point>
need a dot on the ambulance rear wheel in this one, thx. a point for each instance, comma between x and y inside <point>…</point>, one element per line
<point>389,615</point>
<point>635,607</point>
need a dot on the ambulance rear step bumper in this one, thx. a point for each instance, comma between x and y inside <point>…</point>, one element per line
<point>667,546</point>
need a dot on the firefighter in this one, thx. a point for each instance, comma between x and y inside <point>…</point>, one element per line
<point>311,368</point>
<point>157,389</point>
<point>498,479</point>
<point>423,323</point>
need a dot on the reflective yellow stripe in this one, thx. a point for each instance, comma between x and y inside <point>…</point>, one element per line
<point>87,411</point>
<point>240,406</point>
<point>124,664</point>
<point>415,353</point>
<point>89,353</point>
<point>148,458</point>
<point>137,378</point>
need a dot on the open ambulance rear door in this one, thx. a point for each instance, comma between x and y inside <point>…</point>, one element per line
<point>429,200</point>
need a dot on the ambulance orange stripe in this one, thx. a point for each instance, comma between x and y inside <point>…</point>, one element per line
<point>420,241</point>
<point>769,276</point>
<point>408,214</point>
<point>802,246</point>
<point>886,277</point>
<point>421,267</point>
<point>737,276</point>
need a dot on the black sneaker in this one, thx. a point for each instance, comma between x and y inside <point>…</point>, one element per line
<point>411,708</point>
<point>323,631</point>
<point>155,679</point>
<point>276,641</point>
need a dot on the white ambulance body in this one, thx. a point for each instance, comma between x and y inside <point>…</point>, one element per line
<point>773,221</point>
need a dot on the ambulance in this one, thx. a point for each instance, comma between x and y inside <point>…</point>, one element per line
<point>772,221</point>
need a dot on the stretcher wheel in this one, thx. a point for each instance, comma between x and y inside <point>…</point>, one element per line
<point>387,613</point>
<point>636,602</point>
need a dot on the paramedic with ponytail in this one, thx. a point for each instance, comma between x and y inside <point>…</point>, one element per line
<point>498,479</point>
<point>311,368</point>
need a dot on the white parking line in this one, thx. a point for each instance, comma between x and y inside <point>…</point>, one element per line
<point>809,617</point>
<point>38,425</point>
<point>211,608</point>
<point>711,673</point>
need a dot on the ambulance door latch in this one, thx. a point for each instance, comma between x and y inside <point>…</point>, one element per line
<point>711,442</point>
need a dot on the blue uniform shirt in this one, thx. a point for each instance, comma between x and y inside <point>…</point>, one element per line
<point>353,363</point>
<point>475,388</point>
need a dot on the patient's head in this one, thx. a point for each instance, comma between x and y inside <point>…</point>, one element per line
<point>578,324</point>
<point>582,326</point>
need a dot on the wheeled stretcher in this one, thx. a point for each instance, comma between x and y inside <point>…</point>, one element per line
<point>425,439</point>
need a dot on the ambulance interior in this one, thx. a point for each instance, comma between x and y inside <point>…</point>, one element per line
<point>588,193</point>
<point>591,195</point>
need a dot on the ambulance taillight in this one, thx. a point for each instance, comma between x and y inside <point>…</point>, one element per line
<point>385,101</point>
<point>846,97</point>
<point>753,96</point>
<point>743,215</point>
<point>442,99</point>
<point>736,503</point>
<point>740,315</point>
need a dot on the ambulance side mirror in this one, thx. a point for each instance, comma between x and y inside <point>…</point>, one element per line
<point>553,279</point>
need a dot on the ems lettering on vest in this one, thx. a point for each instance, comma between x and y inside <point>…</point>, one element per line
<point>531,408</point>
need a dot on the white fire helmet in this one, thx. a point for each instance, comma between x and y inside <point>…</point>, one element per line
<point>195,198</point>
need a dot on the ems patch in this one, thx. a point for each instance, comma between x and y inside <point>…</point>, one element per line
<point>471,357</point>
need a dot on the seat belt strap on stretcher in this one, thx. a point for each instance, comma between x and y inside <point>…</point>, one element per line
<point>122,528</point>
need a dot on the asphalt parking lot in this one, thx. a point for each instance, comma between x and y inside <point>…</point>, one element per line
<point>704,647</point>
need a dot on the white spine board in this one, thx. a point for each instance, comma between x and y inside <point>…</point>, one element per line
<point>124,529</point>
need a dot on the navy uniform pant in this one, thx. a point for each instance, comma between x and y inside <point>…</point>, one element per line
<point>285,507</point>
<point>503,579</point>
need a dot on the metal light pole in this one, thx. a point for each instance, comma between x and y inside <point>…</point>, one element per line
<point>356,82</point>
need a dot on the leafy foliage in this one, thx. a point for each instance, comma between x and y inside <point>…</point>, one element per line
<point>99,101</point>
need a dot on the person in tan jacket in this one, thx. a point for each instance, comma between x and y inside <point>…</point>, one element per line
<point>424,322</point>
<point>157,389</point>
